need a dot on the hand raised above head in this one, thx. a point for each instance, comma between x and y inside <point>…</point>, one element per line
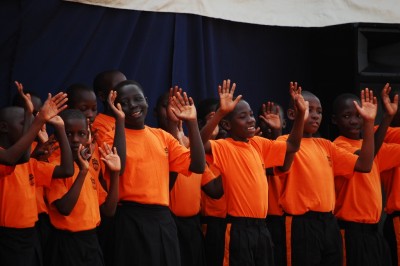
<point>117,110</point>
<point>226,91</point>
<point>28,105</point>
<point>369,105</point>
<point>390,106</point>
<point>170,115</point>
<point>183,107</point>
<point>270,115</point>
<point>53,106</point>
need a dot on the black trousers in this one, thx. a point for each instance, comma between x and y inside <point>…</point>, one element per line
<point>214,239</point>
<point>20,247</point>
<point>66,248</point>
<point>314,239</point>
<point>191,240</point>
<point>145,235</point>
<point>276,226</point>
<point>249,241</point>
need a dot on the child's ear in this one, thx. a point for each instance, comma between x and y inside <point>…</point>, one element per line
<point>3,127</point>
<point>333,120</point>
<point>225,124</point>
<point>291,114</point>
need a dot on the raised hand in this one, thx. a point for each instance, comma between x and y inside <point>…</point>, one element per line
<point>300,105</point>
<point>110,157</point>
<point>390,107</point>
<point>43,150</point>
<point>117,110</point>
<point>56,121</point>
<point>26,97</point>
<point>270,115</point>
<point>227,104</point>
<point>369,105</point>
<point>170,114</point>
<point>42,134</point>
<point>53,105</point>
<point>183,107</point>
<point>83,163</point>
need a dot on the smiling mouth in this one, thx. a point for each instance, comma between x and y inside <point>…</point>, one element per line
<point>136,114</point>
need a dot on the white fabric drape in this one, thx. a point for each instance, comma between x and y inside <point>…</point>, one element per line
<point>301,13</point>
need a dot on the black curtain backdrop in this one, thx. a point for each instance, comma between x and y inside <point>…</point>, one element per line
<point>49,44</point>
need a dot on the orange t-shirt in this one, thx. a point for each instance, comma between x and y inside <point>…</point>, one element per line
<point>151,153</point>
<point>86,213</point>
<point>213,207</point>
<point>40,198</point>
<point>103,124</point>
<point>18,207</point>
<point>393,135</point>
<point>359,199</point>
<point>274,193</point>
<point>185,196</point>
<point>242,166</point>
<point>309,186</point>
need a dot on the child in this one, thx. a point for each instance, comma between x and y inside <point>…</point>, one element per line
<point>43,223</point>
<point>103,83</point>
<point>185,197</point>
<point>275,216</point>
<point>74,202</point>
<point>213,210</point>
<point>145,233</point>
<point>359,197</point>
<point>308,199</point>
<point>19,244</point>
<point>390,182</point>
<point>242,159</point>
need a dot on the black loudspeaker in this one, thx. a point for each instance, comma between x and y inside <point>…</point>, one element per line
<point>378,51</point>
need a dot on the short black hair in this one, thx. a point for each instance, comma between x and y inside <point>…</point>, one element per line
<point>7,113</point>
<point>339,100</point>
<point>100,82</point>
<point>128,82</point>
<point>206,106</point>
<point>73,114</point>
<point>73,92</point>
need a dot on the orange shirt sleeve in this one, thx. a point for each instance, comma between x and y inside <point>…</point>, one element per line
<point>43,172</point>
<point>393,135</point>
<point>207,176</point>
<point>388,156</point>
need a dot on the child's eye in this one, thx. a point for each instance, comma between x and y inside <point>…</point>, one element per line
<point>82,134</point>
<point>139,99</point>
<point>68,134</point>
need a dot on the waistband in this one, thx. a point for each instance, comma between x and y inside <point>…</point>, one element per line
<point>28,230</point>
<point>314,215</point>
<point>362,227</point>
<point>78,233</point>
<point>212,219</point>
<point>394,214</point>
<point>136,205</point>
<point>245,220</point>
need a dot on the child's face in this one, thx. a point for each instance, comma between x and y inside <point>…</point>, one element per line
<point>242,122</point>
<point>134,105</point>
<point>314,119</point>
<point>348,120</point>
<point>87,104</point>
<point>37,104</point>
<point>77,133</point>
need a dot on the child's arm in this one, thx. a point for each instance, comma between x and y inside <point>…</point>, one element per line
<point>50,108</point>
<point>66,204</point>
<point>184,109</point>
<point>113,162</point>
<point>390,111</point>
<point>119,135</point>
<point>214,189</point>
<point>227,104</point>
<point>296,134</point>
<point>66,167</point>
<point>28,117</point>
<point>367,110</point>
<point>174,124</point>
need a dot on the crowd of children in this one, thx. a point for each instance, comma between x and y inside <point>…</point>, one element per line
<point>230,189</point>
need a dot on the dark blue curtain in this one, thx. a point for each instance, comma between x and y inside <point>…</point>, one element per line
<point>49,44</point>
